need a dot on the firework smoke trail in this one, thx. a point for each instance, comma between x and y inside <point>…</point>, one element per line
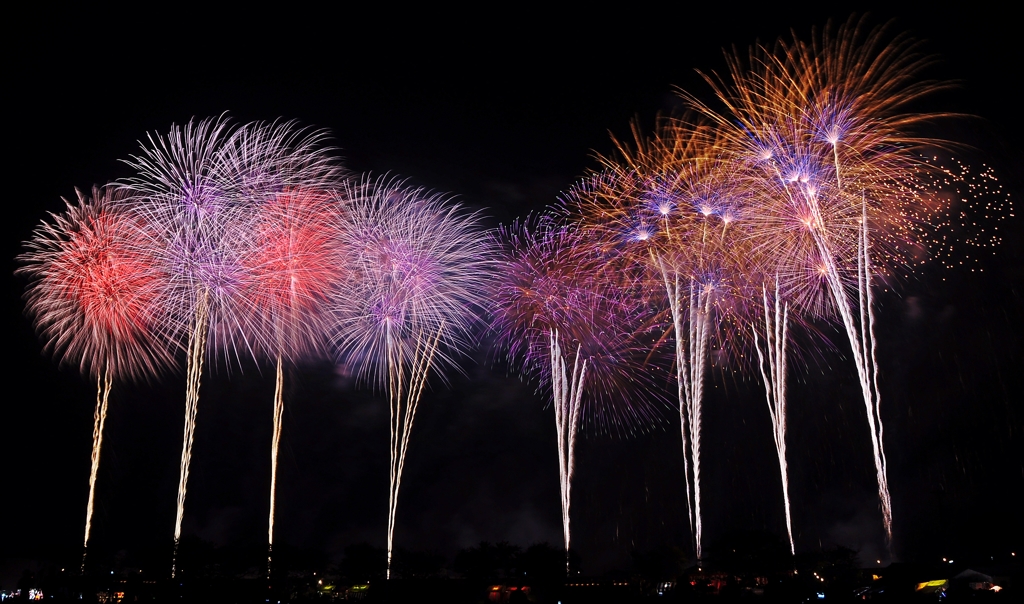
<point>180,188</point>
<point>773,374</point>
<point>419,273</point>
<point>290,254</point>
<point>92,298</point>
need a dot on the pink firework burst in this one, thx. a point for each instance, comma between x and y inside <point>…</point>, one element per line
<point>279,177</point>
<point>419,268</point>
<point>555,279</point>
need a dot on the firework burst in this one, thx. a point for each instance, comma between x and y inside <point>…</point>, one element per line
<point>290,275</point>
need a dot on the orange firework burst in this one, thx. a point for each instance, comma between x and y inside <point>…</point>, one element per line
<point>818,131</point>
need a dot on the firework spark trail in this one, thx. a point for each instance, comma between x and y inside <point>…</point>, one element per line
<point>275,441</point>
<point>830,119</point>
<point>567,392</point>
<point>684,393</point>
<point>872,397</point>
<point>99,420</point>
<point>773,374</point>
<point>682,377</point>
<point>196,353</point>
<point>694,382</point>
<point>860,333</point>
<point>862,342</point>
<point>542,299</point>
<point>418,279</point>
<point>403,407</point>
<point>671,203</point>
<point>691,363</point>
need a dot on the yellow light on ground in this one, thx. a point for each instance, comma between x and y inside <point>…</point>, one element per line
<point>935,583</point>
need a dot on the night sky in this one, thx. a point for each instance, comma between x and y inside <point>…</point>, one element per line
<point>503,111</point>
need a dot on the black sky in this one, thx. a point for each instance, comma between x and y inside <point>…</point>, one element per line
<point>504,111</point>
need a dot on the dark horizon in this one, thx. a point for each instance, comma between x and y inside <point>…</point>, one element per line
<point>503,117</point>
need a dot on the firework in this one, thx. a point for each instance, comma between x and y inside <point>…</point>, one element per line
<point>566,313</point>
<point>965,207</point>
<point>670,202</point>
<point>261,159</point>
<point>290,255</point>
<point>820,133</point>
<point>419,276</point>
<point>290,273</point>
<point>93,299</point>
<point>180,189</point>
<point>771,357</point>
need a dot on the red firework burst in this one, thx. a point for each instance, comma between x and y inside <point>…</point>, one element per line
<point>291,267</point>
<point>93,290</point>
